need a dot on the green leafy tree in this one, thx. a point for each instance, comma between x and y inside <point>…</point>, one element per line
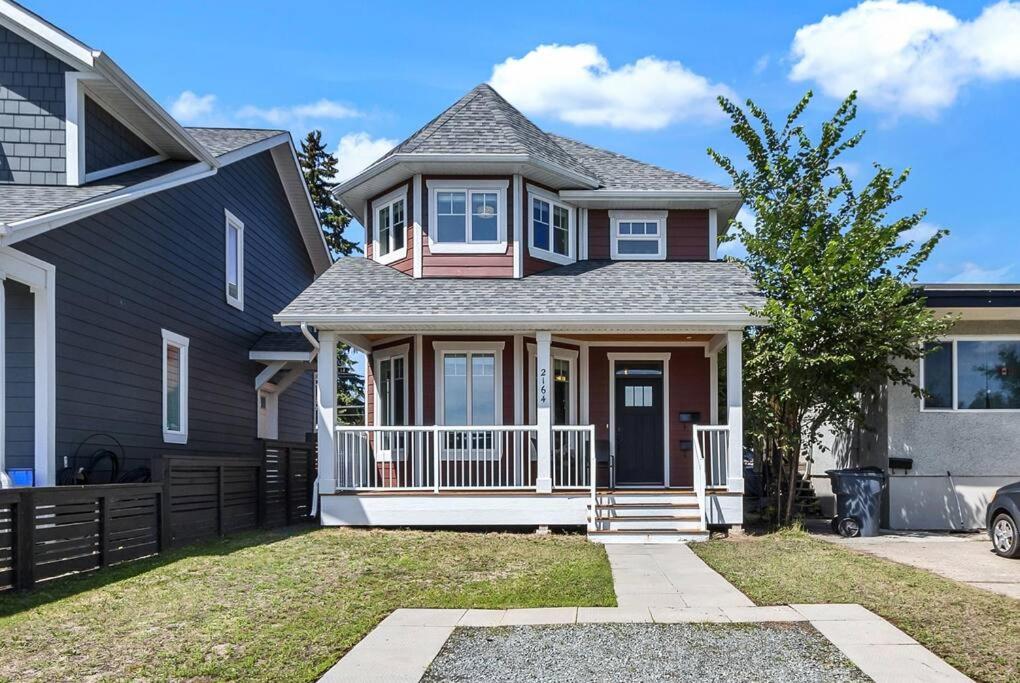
<point>320,168</point>
<point>836,273</point>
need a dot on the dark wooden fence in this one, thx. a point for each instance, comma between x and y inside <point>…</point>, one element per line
<point>50,532</point>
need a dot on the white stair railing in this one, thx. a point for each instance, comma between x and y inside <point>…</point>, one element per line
<point>711,462</point>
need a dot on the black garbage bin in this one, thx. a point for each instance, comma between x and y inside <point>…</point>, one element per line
<point>858,493</point>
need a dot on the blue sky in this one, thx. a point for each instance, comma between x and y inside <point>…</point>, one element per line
<point>940,83</point>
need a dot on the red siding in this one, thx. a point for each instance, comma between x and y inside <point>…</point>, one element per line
<point>687,235</point>
<point>598,234</point>
<point>468,265</point>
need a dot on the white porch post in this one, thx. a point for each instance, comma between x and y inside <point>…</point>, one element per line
<point>327,412</point>
<point>735,409</point>
<point>543,401</point>
<point>3,376</point>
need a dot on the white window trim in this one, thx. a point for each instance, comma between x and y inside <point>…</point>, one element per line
<point>956,376</point>
<point>442,349</point>
<point>548,254</point>
<point>268,427</point>
<point>468,186</point>
<point>182,343</point>
<point>232,221</point>
<point>617,217</point>
<point>569,355</point>
<point>387,201</point>
<point>379,357</point>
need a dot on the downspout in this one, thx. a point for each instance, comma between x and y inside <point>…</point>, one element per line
<point>315,352</point>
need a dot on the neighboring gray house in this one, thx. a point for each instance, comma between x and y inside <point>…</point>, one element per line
<point>947,454</point>
<point>141,263</point>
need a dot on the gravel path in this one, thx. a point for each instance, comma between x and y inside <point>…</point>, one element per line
<point>641,652</point>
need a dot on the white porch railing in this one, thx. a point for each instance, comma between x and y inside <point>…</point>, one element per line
<point>711,461</point>
<point>451,458</point>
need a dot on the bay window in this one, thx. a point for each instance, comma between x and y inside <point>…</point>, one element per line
<point>639,235</point>
<point>970,373</point>
<point>467,216</point>
<point>389,227</point>
<point>550,227</point>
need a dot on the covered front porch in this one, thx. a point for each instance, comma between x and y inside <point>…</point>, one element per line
<point>624,433</point>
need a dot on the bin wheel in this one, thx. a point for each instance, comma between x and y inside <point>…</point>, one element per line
<point>849,527</point>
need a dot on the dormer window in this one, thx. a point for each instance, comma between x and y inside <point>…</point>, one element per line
<point>467,216</point>
<point>389,227</point>
<point>638,235</point>
<point>550,227</point>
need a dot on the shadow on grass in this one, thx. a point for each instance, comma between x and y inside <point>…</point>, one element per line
<point>13,602</point>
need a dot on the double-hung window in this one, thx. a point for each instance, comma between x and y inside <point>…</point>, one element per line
<point>467,216</point>
<point>389,227</point>
<point>550,227</point>
<point>175,388</point>
<point>391,398</point>
<point>639,235</point>
<point>235,260</point>
<point>969,373</point>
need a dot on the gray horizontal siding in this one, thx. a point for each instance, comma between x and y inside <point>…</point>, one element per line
<point>108,142</point>
<point>31,113</point>
<point>19,355</point>
<point>158,263</point>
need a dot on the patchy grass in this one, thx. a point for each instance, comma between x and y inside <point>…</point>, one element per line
<point>974,630</point>
<point>279,606</point>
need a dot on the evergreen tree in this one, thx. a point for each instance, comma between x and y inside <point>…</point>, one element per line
<point>320,168</point>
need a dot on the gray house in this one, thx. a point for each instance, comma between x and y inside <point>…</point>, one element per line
<point>946,455</point>
<point>141,265</point>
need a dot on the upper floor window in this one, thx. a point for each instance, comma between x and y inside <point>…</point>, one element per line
<point>389,227</point>
<point>638,235</point>
<point>972,374</point>
<point>235,260</point>
<point>467,216</point>
<point>551,227</point>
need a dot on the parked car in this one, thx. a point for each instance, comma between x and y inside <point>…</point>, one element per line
<point>1004,520</point>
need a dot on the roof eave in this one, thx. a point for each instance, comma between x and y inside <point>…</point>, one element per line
<point>558,321</point>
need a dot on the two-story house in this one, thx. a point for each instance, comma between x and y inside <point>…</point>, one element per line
<point>546,324</point>
<point>140,265</point>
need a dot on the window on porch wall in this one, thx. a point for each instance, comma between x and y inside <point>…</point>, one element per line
<point>392,400</point>
<point>469,394</point>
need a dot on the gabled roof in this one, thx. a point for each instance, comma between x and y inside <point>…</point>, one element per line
<point>360,292</point>
<point>482,133</point>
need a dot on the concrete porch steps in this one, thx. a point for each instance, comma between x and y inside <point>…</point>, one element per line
<point>668,516</point>
<point>646,536</point>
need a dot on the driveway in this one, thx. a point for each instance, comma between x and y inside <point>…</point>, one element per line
<point>962,557</point>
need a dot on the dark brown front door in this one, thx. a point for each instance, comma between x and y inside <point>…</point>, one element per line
<point>638,417</point>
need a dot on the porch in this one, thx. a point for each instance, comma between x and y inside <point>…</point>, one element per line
<point>620,434</point>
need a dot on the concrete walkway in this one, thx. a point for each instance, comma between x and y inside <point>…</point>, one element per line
<point>659,583</point>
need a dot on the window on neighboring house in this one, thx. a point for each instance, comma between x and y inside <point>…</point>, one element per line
<point>390,227</point>
<point>551,228</point>
<point>175,388</point>
<point>638,235</point>
<point>467,216</point>
<point>235,260</point>
<point>972,374</point>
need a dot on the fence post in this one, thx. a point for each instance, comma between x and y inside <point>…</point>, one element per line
<point>260,488</point>
<point>285,467</point>
<point>104,530</point>
<point>25,558</point>
<point>219,500</point>
<point>165,524</point>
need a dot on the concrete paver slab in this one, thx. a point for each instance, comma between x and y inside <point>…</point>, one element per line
<point>482,617</point>
<point>391,654</point>
<point>687,615</point>
<point>767,613</point>
<point>613,615</point>
<point>900,664</point>
<point>877,632</point>
<point>647,599</point>
<point>423,617</point>
<point>850,612</point>
<point>540,615</point>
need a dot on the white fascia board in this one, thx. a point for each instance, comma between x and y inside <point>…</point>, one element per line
<point>46,36</point>
<point>639,195</point>
<point>113,73</point>
<point>270,356</point>
<point>555,320</point>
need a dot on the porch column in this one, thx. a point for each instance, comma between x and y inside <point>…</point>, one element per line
<point>543,395</point>
<point>327,411</point>
<point>3,376</point>
<point>735,409</point>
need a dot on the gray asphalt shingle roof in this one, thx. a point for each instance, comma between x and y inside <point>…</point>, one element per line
<point>358,286</point>
<point>18,202</point>
<point>482,122</point>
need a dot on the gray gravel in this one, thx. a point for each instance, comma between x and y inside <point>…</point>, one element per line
<point>641,652</point>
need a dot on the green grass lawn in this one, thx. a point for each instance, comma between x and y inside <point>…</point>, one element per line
<point>280,606</point>
<point>976,631</point>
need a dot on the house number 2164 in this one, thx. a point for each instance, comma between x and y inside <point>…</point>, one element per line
<point>543,387</point>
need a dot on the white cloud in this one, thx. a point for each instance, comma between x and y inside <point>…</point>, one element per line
<point>575,83</point>
<point>190,108</point>
<point>762,64</point>
<point>973,273</point>
<point>907,57</point>
<point>357,151</point>
<point>296,115</point>
<point>919,233</point>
